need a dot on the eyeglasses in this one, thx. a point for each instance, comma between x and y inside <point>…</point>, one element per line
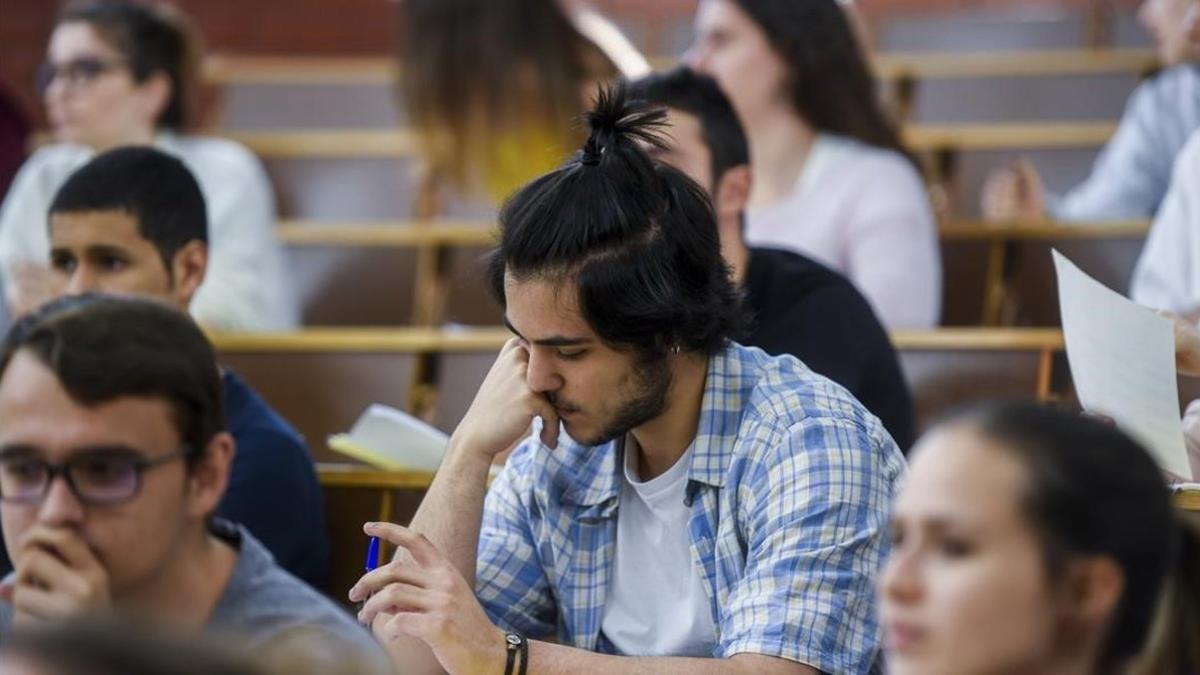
<point>98,477</point>
<point>77,72</point>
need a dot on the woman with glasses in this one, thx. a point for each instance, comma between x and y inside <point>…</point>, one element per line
<point>1032,540</point>
<point>119,74</point>
<point>831,177</point>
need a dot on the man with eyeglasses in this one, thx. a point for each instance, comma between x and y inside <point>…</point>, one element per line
<point>113,459</point>
<point>132,220</point>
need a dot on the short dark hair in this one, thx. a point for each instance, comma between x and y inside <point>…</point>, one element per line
<point>152,186</point>
<point>101,348</point>
<point>152,38</point>
<point>1092,490</point>
<point>638,238</point>
<point>688,91</point>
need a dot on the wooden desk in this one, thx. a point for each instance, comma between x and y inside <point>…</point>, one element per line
<point>1002,274</point>
<point>230,69</point>
<point>401,143</point>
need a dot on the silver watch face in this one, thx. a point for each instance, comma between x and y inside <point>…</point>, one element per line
<point>514,640</point>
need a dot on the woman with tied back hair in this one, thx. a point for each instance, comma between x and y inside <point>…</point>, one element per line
<point>831,177</point>
<point>1032,540</point>
<point>120,73</point>
<point>495,89</point>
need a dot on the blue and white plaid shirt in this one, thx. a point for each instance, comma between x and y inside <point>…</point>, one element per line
<point>790,485</point>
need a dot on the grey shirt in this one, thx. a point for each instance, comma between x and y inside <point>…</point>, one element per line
<point>1130,177</point>
<point>263,605</point>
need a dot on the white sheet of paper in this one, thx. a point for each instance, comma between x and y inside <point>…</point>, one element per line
<point>1122,358</point>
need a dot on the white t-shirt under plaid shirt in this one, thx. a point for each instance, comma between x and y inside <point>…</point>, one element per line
<point>789,487</point>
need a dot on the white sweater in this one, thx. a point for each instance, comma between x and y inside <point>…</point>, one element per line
<point>1167,275</point>
<point>1131,173</point>
<point>245,287</point>
<point>864,212</point>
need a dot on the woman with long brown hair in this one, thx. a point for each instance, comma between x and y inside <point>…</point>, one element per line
<point>1033,540</point>
<point>495,89</point>
<point>831,177</point>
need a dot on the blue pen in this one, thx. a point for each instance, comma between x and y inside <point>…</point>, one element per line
<point>372,554</point>
<point>372,562</point>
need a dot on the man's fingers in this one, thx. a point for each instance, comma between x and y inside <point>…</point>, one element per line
<point>40,568</point>
<point>391,573</point>
<point>67,545</point>
<point>422,550</point>
<point>405,623</point>
<point>392,599</point>
<point>42,604</point>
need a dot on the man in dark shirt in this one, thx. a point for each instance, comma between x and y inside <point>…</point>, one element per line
<point>798,305</point>
<point>133,221</point>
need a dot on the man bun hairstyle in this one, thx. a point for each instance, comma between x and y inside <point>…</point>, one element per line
<point>636,237</point>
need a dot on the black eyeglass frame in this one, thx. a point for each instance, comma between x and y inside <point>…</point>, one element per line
<point>140,466</point>
<point>79,72</point>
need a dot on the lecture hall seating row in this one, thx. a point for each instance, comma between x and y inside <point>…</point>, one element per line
<point>321,122</point>
<point>322,380</point>
<point>379,274</point>
<point>263,92</point>
<point>311,169</point>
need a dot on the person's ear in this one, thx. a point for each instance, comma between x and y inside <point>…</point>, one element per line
<point>1092,589</point>
<point>188,267</point>
<point>210,476</point>
<point>155,95</point>
<point>733,192</point>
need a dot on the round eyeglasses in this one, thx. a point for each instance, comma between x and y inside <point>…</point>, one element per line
<point>98,476</point>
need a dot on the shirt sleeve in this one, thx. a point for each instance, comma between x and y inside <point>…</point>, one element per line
<point>1130,175</point>
<point>892,241</point>
<point>509,579</point>
<point>1165,276</point>
<point>245,287</point>
<point>814,512</point>
<point>23,216</point>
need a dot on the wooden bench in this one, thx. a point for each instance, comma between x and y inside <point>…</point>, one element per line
<point>322,379</point>
<point>372,273</point>
<point>262,92</point>
<point>951,368</point>
<point>372,174</point>
<point>1002,274</point>
<point>391,274</point>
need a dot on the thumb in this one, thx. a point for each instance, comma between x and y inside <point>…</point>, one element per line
<point>7,588</point>
<point>549,434</point>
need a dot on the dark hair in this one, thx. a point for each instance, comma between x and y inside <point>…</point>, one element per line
<point>152,186</point>
<point>95,648</point>
<point>831,85</point>
<point>101,348</point>
<point>638,238</point>
<point>152,38</point>
<point>687,91</point>
<point>478,73</point>
<point>1092,490</point>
